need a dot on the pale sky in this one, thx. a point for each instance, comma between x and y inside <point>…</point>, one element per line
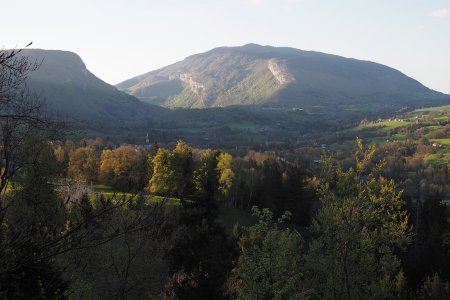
<point>120,39</point>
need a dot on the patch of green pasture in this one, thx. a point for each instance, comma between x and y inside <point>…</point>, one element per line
<point>377,139</point>
<point>159,199</point>
<point>441,118</point>
<point>434,108</point>
<point>434,127</point>
<point>441,141</point>
<point>109,193</point>
<point>385,138</point>
<point>388,125</point>
<point>116,196</point>
<point>436,159</point>
<point>356,128</point>
<point>384,126</point>
<point>398,136</point>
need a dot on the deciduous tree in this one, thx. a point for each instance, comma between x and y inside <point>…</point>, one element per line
<point>359,232</point>
<point>83,164</point>
<point>124,168</point>
<point>271,261</point>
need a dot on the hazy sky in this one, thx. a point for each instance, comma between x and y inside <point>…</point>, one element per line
<point>119,39</point>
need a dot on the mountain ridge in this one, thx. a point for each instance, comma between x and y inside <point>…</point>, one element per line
<point>72,91</point>
<point>254,74</point>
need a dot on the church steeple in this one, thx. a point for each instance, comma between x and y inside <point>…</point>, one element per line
<point>147,140</point>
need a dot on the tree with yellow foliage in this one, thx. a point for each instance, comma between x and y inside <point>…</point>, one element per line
<point>124,168</point>
<point>83,164</point>
<point>172,171</point>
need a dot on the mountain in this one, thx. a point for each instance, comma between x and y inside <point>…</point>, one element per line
<point>274,76</point>
<point>71,91</point>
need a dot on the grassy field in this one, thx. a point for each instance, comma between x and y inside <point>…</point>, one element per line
<point>438,114</point>
<point>441,118</point>
<point>436,159</point>
<point>389,125</point>
<point>228,215</point>
<point>433,109</point>
<point>108,192</point>
<point>430,120</point>
<point>434,127</point>
<point>441,141</point>
<point>385,125</point>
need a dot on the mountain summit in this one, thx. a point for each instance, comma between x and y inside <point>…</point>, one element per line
<point>72,91</point>
<point>276,76</point>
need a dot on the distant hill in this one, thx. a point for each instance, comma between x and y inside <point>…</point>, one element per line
<point>264,75</point>
<point>73,92</point>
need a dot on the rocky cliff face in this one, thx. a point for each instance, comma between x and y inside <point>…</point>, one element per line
<point>194,86</point>
<point>280,71</point>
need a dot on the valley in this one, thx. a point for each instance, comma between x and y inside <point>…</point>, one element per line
<point>187,181</point>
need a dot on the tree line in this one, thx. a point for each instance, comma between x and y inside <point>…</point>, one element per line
<point>255,179</point>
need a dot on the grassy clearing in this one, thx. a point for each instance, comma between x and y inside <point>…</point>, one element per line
<point>108,192</point>
<point>148,198</point>
<point>388,125</point>
<point>384,126</point>
<point>435,108</point>
<point>228,215</point>
<point>398,136</point>
<point>441,118</point>
<point>384,138</point>
<point>441,141</point>
<point>436,159</point>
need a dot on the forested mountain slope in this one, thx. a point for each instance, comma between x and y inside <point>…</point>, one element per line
<point>72,91</point>
<point>254,74</point>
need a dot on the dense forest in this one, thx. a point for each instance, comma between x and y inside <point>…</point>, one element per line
<point>89,219</point>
